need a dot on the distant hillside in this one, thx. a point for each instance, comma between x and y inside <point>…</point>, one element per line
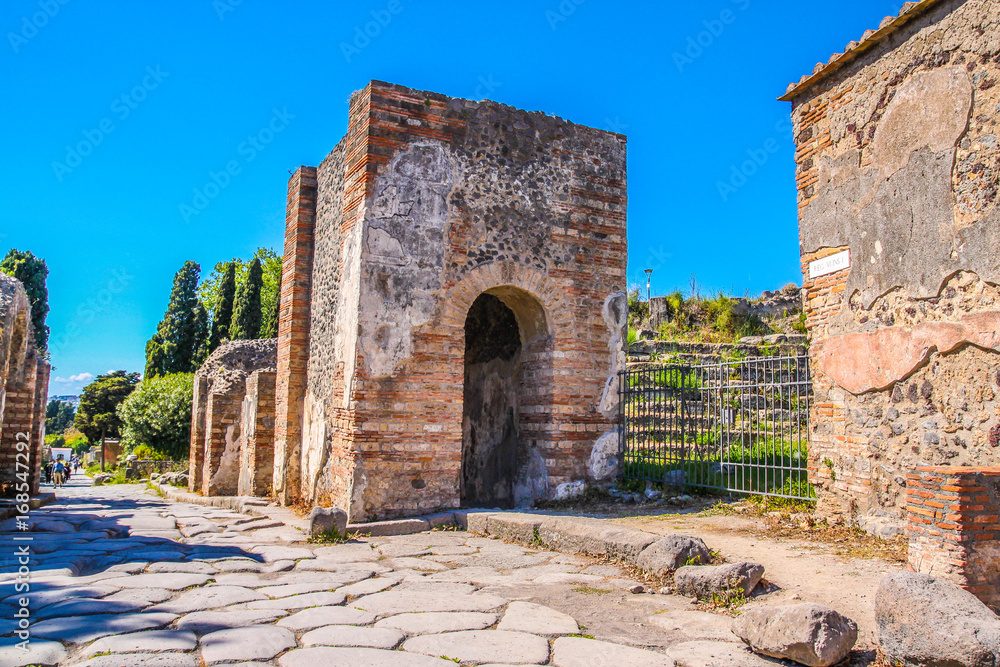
<point>72,400</point>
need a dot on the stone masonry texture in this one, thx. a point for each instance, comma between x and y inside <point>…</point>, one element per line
<point>427,203</point>
<point>24,382</point>
<point>897,163</point>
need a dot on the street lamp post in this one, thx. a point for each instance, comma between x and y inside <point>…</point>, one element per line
<point>649,273</point>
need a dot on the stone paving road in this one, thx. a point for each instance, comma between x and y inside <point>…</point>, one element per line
<point>122,577</point>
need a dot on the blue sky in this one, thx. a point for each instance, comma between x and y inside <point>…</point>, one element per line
<point>116,114</point>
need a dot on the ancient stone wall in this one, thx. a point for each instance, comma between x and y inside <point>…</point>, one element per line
<point>24,382</point>
<point>233,420</point>
<point>897,166</point>
<point>427,203</point>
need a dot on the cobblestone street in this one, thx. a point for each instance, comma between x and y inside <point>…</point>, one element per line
<point>118,570</point>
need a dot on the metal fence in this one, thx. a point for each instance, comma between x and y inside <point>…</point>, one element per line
<point>739,426</point>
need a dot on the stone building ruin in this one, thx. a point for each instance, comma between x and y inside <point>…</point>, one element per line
<point>897,175</point>
<point>24,387</point>
<point>452,313</point>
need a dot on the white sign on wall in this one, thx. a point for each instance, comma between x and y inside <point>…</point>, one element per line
<point>831,264</point>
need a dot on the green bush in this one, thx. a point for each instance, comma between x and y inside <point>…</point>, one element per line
<point>158,415</point>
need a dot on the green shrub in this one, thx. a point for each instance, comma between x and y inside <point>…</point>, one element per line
<point>158,415</point>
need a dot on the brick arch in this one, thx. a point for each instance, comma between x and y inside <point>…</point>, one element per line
<point>497,278</point>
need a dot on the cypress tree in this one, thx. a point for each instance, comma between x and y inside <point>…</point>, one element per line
<point>32,272</point>
<point>270,327</point>
<point>181,332</point>
<point>246,312</point>
<point>222,318</point>
<point>202,336</point>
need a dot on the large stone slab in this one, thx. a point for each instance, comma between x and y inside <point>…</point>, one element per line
<point>152,641</point>
<point>208,597</point>
<point>145,596</point>
<point>702,581</point>
<point>483,646</point>
<point>255,642</point>
<point>292,602</point>
<point>84,629</point>
<point>537,619</point>
<point>349,552</point>
<point>358,657</point>
<point>576,652</point>
<point>399,602</point>
<point>143,660</point>
<point>189,567</point>
<point>926,621</point>
<point>350,635</point>
<point>81,606</point>
<point>172,581</point>
<point>718,654</point>
<point>369,586</point>
<point>205,622</point>
<point>39,653</point>
<point>434,622</point>
<point>807,633</point>
<point>694,625</point>
<point>271,553</point>
<point>284,590</point>
<point>316,617</point>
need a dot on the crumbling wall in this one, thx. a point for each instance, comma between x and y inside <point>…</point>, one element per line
<point>441,200</point>
<point>896,147</point>
<point>232,406</point>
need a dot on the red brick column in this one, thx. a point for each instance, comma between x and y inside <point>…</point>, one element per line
<point>954,527</point>
<point>222,425</point>
<point>19,420</point>
<point>257,455</point>
<point>41,398</point>
<point>293,332</point>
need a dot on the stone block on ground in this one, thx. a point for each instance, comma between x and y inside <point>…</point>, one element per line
<point>807,633</point>
<point>537,619</point>
<point>436,622</point>
<point>358,657</point>
<point>719,654</point>
<point>152,641</point>
<point>349,635</point>
<point>921,620</point>
<point>701,581</point>
<point>255,642</point>
<point>327,520</point>
<point>673,552</point>
<point>39,653</point>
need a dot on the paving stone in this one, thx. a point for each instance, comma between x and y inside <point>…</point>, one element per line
<point>349,552</point>
<point>255,642</point>
<point>692,625</point>
<point>458,550</point>
<point>418,564</point>
<point>297,601</point>
<point>255,525</point>
<point>192,567</point>
<point>349,635</point>
<point>81,606</point>
<point>479,646</point>
<point>239,565</point>
<point>326,565</point>
<point>209,597</point>
<point>575,651</point>
<point>38,653</point>
<point>205,622</point>
<point>273,553</point>
<point>285,590</point>
<point>142,660</point>
<point>315,617</point>
<point>718,654</point>
<point>482,576</point>
<point>358,657</point>
<point>537,619</point>
<point>83,629</point>
<point>369,586</point>
<point>399,602</point>
<point>145,596</point>
<point>152,641</point>
<point>403,550</point>
<point>129,568</point>
<point>43,598</point>
<point>426,623</point>
<point>173,581</point>
<point>425,585</point>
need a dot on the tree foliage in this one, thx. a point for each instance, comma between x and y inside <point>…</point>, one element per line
<point>158,414</point>
<point>181,334</point>
<point>97,415</point>
<point>58,416</point>
<point>222,316</point>
<point>269,329</point>
<point>270,262</point>
<point>32,272</point>
<point>246,312</point>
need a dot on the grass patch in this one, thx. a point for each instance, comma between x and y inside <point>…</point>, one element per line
<point>334,536</point>
<point>580,635</point>
<point>590,590</point>
<point>728,600</point>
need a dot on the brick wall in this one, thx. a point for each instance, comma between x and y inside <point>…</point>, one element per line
<point>220,476</point>
<point>199,403</point>
<point>954,527</point>
<point>901,356</point>
<point>257,432</point>
<point>428,202</point>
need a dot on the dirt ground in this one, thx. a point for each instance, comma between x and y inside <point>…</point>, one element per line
<point>833,566</point>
